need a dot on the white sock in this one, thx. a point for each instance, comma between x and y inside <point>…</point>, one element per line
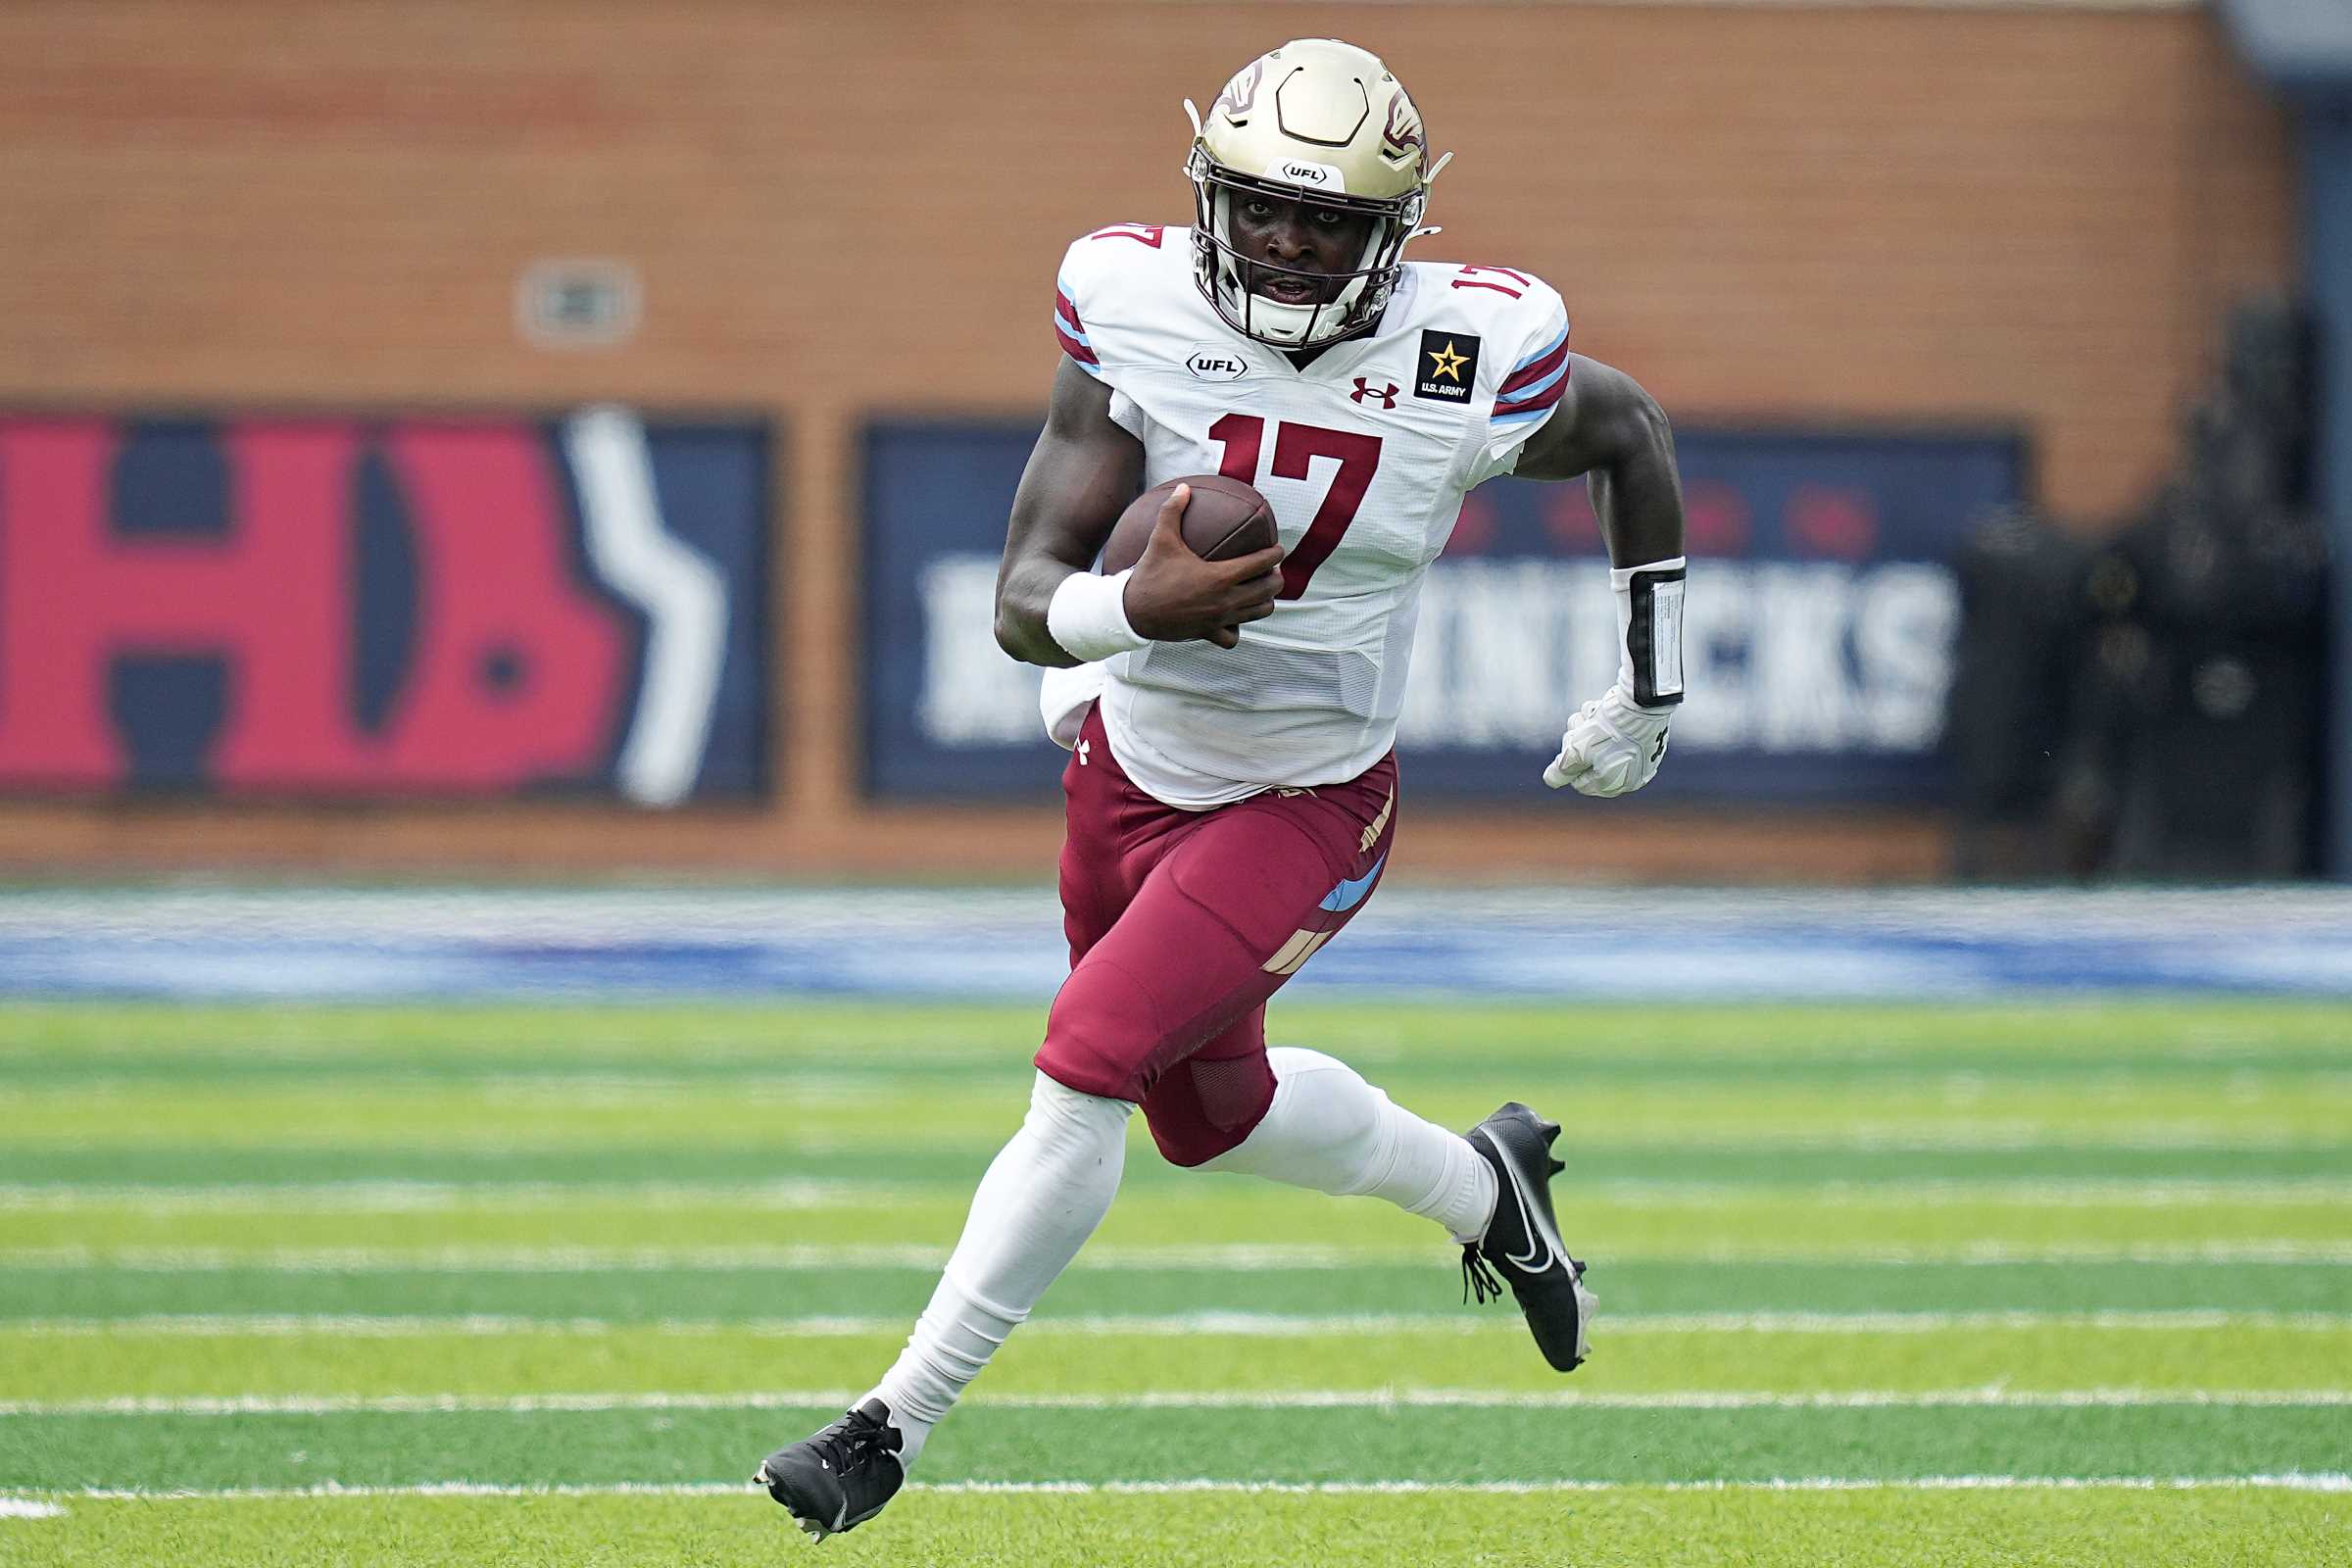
<point>1041,1198</point>
<point>1330,1130</point>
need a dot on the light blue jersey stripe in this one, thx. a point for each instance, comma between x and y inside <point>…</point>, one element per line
<point>1539,353</point>
<point>1536,388</point>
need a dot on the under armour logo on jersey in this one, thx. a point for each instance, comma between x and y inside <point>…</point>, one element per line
<point>1365,392</point>
<point>1084,746</point>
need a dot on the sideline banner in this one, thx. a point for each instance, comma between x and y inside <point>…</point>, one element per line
<point>360,605</point>
<point>1818,642</point>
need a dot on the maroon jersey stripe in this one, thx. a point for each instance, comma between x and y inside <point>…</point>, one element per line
<point>1542,399</point>
<point>1527,375</point>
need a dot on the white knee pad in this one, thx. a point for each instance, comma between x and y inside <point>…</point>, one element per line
<point>1062,1117</point>
<point>1327,1128</point>
<point>1329,1131</point>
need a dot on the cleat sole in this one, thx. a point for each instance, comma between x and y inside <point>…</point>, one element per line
<point>814,1530</point>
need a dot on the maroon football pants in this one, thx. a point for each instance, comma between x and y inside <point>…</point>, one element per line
<point>1183,923</point>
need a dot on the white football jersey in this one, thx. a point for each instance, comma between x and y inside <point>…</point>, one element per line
<point>1365,455</point>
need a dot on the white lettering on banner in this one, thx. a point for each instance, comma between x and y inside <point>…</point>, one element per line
<point>1903,633</point>
<point>973,694</point>
<point>1796,656</point>
<point>1498,642</point>
<point>673,585</point>
<point>1718,711</point>
<point>1781,655</point>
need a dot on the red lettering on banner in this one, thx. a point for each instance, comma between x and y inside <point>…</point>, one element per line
<point>1474,527</point>
<point>271,598</point>
<point>288,719</point>
<point>518,675</point>
<point>1569,518</point>
<point>1715,519</point>
<point>1827,522</point>
<point>52,720</point>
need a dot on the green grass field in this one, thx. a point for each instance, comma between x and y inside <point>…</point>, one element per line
<point>2015,1285</point>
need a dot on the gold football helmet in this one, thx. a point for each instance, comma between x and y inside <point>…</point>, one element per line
<point>1315,121</point>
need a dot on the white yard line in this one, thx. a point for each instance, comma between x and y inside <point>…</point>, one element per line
<point>1955,1135</point>
<point>28,1508</point>
<point>1272,1325</point>
<point>404,1196</point>
<point>1206,1400</point>
<point>2294,1480</point>
<point>1234,1257</point>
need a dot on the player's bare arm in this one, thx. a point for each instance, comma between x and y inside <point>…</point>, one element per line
<point>1080,476</point>
<point>1609,429</point>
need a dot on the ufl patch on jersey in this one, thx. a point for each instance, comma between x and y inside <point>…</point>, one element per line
<point>1448,367</point>
<point>1211,362</point>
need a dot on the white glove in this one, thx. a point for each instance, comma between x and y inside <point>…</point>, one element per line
<point>1612,747</point>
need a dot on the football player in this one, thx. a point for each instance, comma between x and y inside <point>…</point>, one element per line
<point>1231,786</point>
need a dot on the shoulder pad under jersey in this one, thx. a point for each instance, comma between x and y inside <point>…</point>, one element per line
<point>1108,279</point>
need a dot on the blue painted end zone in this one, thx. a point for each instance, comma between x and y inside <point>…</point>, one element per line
<point>1006,944</point>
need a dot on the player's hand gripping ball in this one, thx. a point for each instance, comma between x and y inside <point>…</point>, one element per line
<point>1612,747</point>
<point>1207,559</point>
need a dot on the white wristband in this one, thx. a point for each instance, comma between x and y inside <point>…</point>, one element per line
<point>1088,616</point>
<point>1649,631</point>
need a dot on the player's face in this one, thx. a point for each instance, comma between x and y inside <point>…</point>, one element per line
<point>1298,235</point>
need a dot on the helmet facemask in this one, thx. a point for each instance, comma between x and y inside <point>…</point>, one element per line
<point>1347,303</point>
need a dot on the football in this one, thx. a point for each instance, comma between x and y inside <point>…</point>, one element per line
<point>1224,519</point>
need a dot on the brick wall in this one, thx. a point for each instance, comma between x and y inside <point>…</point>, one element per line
<point>2029,216</point>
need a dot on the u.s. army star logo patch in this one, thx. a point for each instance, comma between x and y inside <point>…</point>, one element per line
<point>1447,368</point>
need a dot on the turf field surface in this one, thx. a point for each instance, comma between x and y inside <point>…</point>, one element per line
<point>2016,1284</point>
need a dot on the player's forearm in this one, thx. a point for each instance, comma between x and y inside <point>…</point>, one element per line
<point>1615,743</point>
<point>1636,491</point>
<point>1024,593</point>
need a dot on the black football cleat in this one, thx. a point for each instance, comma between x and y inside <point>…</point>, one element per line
<point>1522,1243</point>
<point>840,1478</point>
